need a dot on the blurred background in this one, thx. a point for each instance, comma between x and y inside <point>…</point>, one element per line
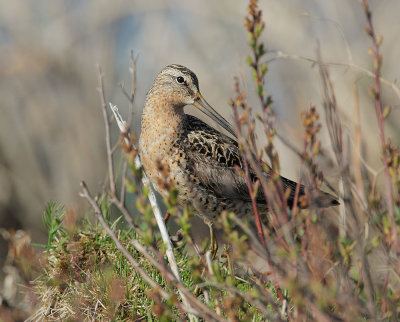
<point>51,126</point>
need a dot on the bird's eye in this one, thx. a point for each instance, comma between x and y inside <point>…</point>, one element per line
<point>180,80</point>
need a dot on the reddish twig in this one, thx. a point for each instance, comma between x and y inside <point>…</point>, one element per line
<point>248,181</point>
<point>255,25</point>
<point>376,93</point>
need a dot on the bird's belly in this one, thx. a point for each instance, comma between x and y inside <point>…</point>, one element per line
<point>167,168</point>
<point>162,165</point>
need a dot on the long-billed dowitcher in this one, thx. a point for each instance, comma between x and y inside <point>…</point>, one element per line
<point>185,152</point>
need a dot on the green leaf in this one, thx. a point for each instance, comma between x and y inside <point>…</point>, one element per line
<point>386,111</point>
<point>249,61</point>
<point>264,69</point>
<point>372,92</point>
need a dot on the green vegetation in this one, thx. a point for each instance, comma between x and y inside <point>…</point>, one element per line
<point>86,277</point>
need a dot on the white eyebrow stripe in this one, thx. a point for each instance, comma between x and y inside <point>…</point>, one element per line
<point>178,70</point>
<point>176,73</point>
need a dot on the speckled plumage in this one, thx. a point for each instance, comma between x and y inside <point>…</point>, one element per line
<point>195,158</point>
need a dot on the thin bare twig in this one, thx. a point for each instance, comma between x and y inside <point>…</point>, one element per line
<point>357,145</point>
<point>131,99</point>
<point>247,175</point>
<point>108,136</point>
<point>281,55</point>
<point>335,133</point>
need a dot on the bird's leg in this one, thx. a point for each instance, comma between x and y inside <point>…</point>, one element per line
<point>228,251</point>
<point>213,240</point>
<point>213,248</point>
<point>177,238</point>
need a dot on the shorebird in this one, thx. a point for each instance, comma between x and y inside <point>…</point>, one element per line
<point>182,151</point>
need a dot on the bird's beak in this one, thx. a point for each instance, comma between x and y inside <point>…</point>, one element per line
<point>206,108</point>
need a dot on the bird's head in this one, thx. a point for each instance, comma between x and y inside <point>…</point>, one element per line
<point>181,86</point>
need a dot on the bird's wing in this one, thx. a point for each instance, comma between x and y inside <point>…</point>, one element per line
<point>212,158</point>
